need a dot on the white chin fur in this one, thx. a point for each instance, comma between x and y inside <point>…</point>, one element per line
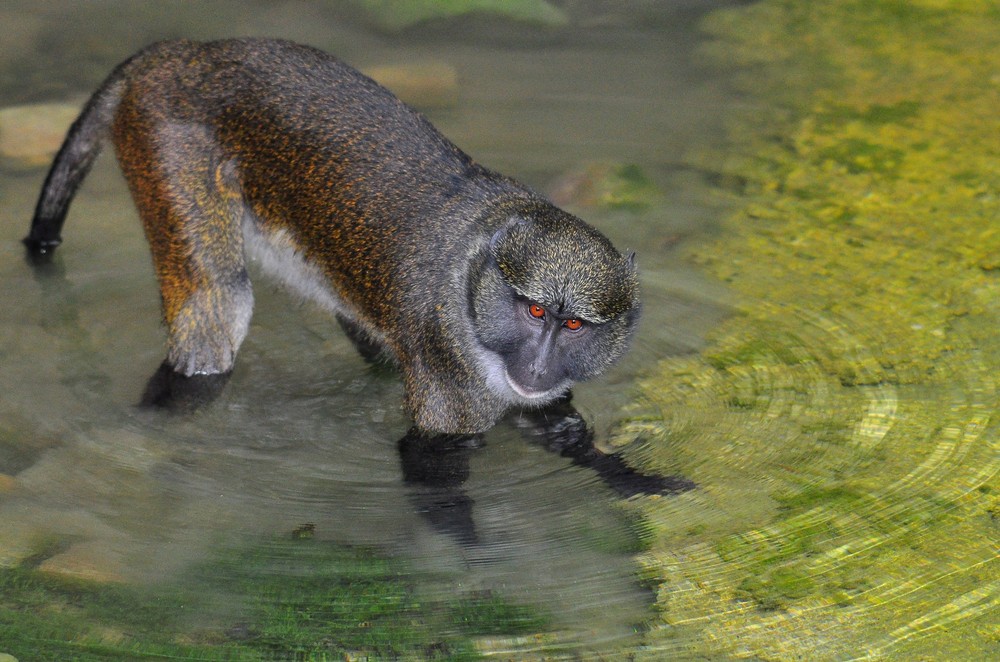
<point>530,396</point>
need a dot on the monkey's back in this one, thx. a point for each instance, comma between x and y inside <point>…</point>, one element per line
<point>326,156</point>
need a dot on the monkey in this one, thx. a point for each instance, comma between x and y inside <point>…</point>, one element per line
<point>482,293</point>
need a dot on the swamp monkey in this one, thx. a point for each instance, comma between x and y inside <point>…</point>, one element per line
<point>485,295</point>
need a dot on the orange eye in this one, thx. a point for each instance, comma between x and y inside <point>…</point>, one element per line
<point>573,324</point>
<point>536,311</point>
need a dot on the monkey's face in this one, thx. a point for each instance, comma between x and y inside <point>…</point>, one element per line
<point>556,302</point>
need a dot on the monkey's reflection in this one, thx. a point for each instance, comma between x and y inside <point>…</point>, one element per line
<point>436,467</point>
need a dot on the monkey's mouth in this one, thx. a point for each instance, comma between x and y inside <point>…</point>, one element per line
<point>528,393</point>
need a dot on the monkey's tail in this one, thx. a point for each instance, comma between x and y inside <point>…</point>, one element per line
<point>81,146</point>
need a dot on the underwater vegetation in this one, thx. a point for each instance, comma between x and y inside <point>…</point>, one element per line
<point>843,424</point>
<point>394,15</point>
<point>299,599</point>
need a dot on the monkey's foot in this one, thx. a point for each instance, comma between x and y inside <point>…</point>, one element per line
<point>170,390</point>
<point>40,251</point>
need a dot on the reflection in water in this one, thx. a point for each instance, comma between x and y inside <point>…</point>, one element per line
<point>438,467</point>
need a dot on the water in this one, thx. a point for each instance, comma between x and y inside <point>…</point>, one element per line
<point>305,433</point>
<point>815,213</point>
<point>843,424</point>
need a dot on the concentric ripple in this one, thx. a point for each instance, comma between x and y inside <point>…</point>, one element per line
<point>841,519</point>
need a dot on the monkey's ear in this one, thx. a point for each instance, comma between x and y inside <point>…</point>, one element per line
<point>511,223</point>
<point>496,238</point>
<point>630,259</point>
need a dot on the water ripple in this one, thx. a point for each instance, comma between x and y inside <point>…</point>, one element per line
<point>834,500</point>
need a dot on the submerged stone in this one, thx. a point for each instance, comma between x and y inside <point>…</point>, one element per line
<point>606,185</point>
<point>31,135</point>
<point>395,15</point>
<point>422,85</point>
<point>95,561</point>
<point>7,484</point>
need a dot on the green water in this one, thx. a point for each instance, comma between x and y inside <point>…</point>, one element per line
<point>843,422</point>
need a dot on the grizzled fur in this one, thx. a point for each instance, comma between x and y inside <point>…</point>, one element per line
<point>282,152</point>
<point>557,259</point>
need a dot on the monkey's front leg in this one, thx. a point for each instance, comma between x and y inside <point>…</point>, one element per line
<point>436,466</point>
<point>561,429</point>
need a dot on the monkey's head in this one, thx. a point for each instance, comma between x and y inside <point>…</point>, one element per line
<point>555,301</point>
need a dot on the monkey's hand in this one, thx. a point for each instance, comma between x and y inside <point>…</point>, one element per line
<point>561,429</point>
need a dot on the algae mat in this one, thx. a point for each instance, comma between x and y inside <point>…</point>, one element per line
<point>843,424</point>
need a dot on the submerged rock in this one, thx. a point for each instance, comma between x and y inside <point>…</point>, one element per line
<point>423,85</point>
<point>395,15</point>
<point>95,560</point>
<point>606,185</point>
<point>21,30</point>
<point>7,484</point>
<point>20,540</point>
<point>30,135</point>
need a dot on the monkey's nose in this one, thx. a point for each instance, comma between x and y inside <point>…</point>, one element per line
<point>536,371</point>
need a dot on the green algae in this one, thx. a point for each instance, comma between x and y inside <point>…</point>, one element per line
<point>395,15</point>
<point>842,424</point>
<point>282,599</point>
<point>608,185</point>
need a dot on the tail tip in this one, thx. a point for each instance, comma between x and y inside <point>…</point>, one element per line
<point>40,251</point>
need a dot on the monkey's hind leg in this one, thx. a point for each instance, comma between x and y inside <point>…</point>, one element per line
<point>192,211</point>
